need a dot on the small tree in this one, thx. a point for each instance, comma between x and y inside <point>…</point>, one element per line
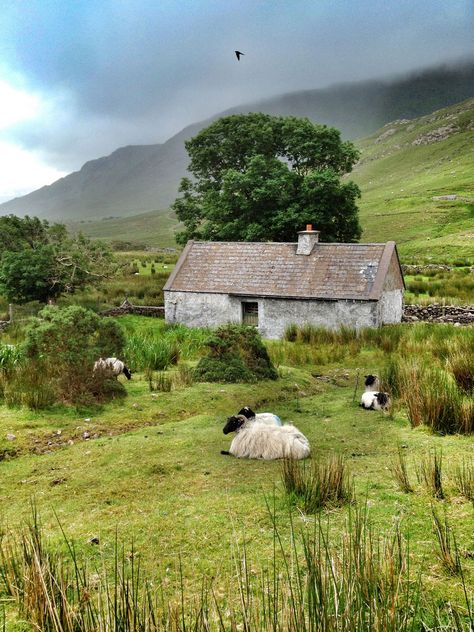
<point>259,178</point>
<point>39,261</point>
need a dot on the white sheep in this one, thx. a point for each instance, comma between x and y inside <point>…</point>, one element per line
<point>114,365</point>
<point>373,399</point>
<point>270,419</point>
<point>260,441</point>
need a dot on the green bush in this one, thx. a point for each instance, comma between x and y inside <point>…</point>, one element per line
<point>61,346</point>
<point>236,354</point>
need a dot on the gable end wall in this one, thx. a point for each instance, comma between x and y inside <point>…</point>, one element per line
<point>390,306</point>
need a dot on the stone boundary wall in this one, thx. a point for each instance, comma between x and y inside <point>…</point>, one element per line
<point>436,313</point>
<point>139,310</point>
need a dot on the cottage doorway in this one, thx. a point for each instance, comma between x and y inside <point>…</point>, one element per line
<point>250,314</point>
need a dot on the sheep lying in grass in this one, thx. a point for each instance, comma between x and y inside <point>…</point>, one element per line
<point>260,441</point>
<point>373,399</point>
<point>114,366</point>
<point>269,419</point>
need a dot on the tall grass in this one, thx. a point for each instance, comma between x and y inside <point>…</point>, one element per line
<point>430,472</point>
<point>361,582</point>
<point>317,484</point>
<point>400,471</point>
<point>145,352</point>
<point>448,551</point>
<point>464,479</point>
<point>161,346</point>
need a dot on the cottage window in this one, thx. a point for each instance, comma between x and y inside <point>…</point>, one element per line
<point>250,314</point>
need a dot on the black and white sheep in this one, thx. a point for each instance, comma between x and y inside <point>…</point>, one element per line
<point>269,419</point>
<point>114,365</point>
<point>373,398</point>
<point>260,441</point>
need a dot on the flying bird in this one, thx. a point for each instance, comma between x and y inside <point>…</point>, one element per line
<point>238,54</point>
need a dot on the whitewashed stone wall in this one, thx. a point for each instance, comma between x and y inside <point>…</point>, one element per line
<point>275,315</point>
<point>390,307</point>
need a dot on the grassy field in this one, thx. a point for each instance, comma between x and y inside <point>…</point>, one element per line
<point>147,472</point>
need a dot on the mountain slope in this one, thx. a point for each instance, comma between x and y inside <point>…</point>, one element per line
<point>405,168</point>
<point>136,179</point>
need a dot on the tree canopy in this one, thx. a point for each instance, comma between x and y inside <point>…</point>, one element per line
<point>262,178</point>
<point>40,261</point>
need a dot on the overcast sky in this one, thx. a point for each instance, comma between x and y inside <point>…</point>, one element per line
<point>79,78</point>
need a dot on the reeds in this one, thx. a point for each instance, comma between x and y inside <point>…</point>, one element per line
<point>430,473</point>
<point>464,479</point>
<point>317,484</point>
<point>400,472</point>
<point>358,582</point>
<point>448,551</point>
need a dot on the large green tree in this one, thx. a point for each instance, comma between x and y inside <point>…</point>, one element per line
<point>262,178</point>
<point>40,261</point>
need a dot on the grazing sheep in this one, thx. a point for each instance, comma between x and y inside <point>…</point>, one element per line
<point>373,398</point>
<point>270,419</point>
<point>260,441</point>
<point>114,365</point>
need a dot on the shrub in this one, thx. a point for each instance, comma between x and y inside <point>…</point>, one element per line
<point>236,354</point>
<point>61,347</point>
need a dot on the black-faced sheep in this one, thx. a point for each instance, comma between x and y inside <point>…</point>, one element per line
<point>270,419</point>
<point>260,441</point>
<point>372,383</point>
<point>114,365</point>
<point>373,399</point>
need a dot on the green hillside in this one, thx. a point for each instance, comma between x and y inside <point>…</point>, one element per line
<point>403,167</point>
<point>155,228</point>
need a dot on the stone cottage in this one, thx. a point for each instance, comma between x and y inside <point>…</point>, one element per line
<point>273,285</point>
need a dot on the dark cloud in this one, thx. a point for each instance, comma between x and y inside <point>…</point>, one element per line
<point>137,72</point>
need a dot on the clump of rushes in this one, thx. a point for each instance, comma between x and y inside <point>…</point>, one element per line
<point>462,367</point>
<point>160,382</point>
<point>430,473</point>
<point>448,551</point>
<point>464,479</point>
<point>432,397</point>
<point>318,484</point>
<point>400,472</point>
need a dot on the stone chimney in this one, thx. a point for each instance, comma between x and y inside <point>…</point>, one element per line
<point>306,240</point>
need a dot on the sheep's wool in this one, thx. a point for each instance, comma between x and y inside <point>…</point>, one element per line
<point>269,419</point>
<point>259,441</point>
<point>369,400</point>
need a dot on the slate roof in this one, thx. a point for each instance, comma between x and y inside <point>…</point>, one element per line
<point>331,271</point>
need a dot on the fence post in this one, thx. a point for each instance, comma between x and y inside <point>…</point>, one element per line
<point>10,312</point>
